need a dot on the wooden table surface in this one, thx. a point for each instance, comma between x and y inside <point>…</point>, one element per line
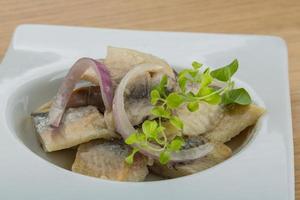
<point>272,17</point>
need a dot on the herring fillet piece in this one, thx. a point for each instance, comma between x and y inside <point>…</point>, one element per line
<point>120,60</point>
<point>106,159</point>
<point>200,121</point>
<point>235,120</point>
<point>220,153</point>
<point>78,125</point>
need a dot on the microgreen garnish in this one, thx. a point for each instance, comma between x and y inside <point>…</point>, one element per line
<point>225,73</point>
<point>129,159</point>
<point>194,86</point>
<point>239,96</point>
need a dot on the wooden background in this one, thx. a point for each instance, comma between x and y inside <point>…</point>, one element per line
<point>272,17</point>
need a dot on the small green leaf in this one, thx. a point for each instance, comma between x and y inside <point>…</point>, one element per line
<point>174,100</point>
<point>206,78</point>
<point>161,87</point>
<point>211,98</point>
<point>193,106</point>
<point>176,121</point>
<point>163,81</point>
<point>154,96</point>
<point>204,91</point>
<point>225,73</point>
<point>164,157</point>
<point>193,73</point>
<point>176,144</point>
<point>182,83</point>
<point>160,112</point>
<point>149,127</point>
<point>136,138</point>
<point>129,158</point>
<point>156,136</point>
<point>183,73</point>
<point>141,138</point>
<point>196,65</point>
<point>238,96</point>
<point>214,99</point>
<point>133,138</point>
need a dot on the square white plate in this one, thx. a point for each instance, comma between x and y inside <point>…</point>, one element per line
<point>264,169</point>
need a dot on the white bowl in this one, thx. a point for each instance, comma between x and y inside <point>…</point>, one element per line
<point>37,60</point>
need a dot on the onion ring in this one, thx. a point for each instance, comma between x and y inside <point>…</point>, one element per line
<point>64,92</point>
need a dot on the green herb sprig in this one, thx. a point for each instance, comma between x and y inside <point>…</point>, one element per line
<point>194,86</point>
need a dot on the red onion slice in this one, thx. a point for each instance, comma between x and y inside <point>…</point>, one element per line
<point>64,93</point>
<point>125,128</point>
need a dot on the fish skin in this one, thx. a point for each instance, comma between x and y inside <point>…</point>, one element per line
<point>236,119</point>
<point>137,95</point>
<point>106,159</point>
<point>78,125</point>
<point>85,96</point>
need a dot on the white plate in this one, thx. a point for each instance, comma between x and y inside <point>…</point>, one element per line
<point>30,73</point>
